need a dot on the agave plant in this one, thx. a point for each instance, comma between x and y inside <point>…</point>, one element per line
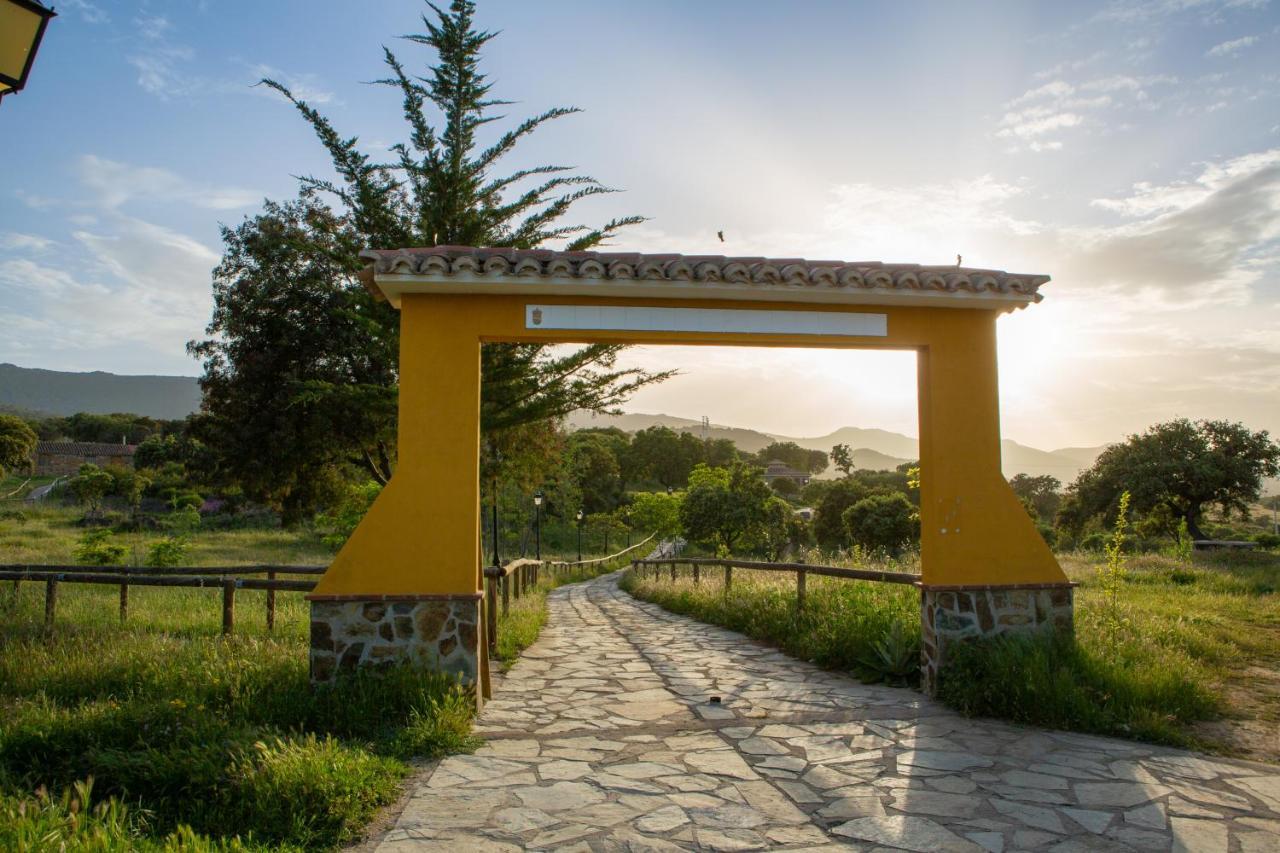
<point>893,659</point>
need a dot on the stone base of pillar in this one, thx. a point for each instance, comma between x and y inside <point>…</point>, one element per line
<point>440,632</point>
<point>953,614</point>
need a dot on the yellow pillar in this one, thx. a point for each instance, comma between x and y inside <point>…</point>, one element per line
<point>417,550</point>
<point>973,528</point>
<point>985,568</point>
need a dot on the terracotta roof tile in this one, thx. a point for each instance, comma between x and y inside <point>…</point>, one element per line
<point>499,263</point>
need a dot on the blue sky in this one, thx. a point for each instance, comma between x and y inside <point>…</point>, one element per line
<point>1129,149</point>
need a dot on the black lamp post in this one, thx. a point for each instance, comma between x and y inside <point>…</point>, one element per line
<point>537,523</point>
<point>579,536</point>
<point>22,24</point>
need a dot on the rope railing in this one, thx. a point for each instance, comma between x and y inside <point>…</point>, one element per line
<point>800,570</point>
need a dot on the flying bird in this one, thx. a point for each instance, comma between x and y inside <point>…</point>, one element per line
<point>720,234</point>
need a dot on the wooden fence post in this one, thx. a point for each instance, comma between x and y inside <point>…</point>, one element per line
<point>697,573</point>
<point>491,593</point>
<point>506,594</point>
<point>124,596</point>
<point>271,604</point>
<point>50,601</point>
<point>228,605</point>
<point>800,581</point>
<point>673,572</point>
<point>728,578</point>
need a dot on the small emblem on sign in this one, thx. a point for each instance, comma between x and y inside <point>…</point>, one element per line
<point>537,316</point>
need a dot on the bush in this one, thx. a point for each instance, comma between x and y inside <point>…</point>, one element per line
<point>96,548</point>
<point>1268,541</point>
<point>168,552</point>
<point>882,522</point>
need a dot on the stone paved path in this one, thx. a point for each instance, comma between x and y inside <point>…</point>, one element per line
<point>605,736</point>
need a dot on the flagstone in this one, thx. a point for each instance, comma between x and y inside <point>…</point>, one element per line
<point>603,737</point>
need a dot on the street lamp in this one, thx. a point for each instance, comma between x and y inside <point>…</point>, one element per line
<point>579,536</point>
<point>22,24</point>
<point>537,523</point>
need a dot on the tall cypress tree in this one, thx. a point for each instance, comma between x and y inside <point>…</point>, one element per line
<point>301,363</point>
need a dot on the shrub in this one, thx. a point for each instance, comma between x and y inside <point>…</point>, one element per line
<point>96,548</point>
<point>90,485</point>
<point>893,659</point>
<point>1269,541</point>
<point>167,552</point>
<point>882,522</point>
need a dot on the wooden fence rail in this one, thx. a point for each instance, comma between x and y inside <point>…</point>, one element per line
<point>800,570</point>
<point>513,579</point>
<point>198,577</point>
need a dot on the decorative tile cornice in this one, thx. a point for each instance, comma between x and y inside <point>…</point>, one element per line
<point>445,263</point>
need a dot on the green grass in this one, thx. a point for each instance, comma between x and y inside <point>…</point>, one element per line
<point>193,740</point>
<point>1190,646</point>
<point>49,531</point>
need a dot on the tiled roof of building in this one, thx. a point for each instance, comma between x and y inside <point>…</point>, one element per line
<point>465,263</point>
<point>84,448</point>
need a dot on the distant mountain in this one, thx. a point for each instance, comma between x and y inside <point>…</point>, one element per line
<point>872,449</point>
<point>60,393</point>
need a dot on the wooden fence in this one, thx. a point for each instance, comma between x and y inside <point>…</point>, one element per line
<point>513,579</point>
<point>654,568</point>
<point>228,578</point>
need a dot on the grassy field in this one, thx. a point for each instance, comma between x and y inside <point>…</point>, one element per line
<point>1189,656</point>
<point>163,734</point>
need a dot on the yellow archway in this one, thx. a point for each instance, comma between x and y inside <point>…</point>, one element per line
<point>408,582</point>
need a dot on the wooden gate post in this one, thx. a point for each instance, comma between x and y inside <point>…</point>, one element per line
<point>271,604</point>
<point>50,601</point>
<point>228,605</point>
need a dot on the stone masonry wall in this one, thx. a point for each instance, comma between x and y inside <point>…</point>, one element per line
<point>434,633</point>
<point>950,615</point>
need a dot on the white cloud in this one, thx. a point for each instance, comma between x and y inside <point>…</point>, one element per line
<point>305,87</point>
<point>1139,11</point>
<point>1231,48</point>
<point>90,13</point>
<point>14,241</point>
<point>160,74</point>
<point>1040,117</point>
<point>115,184</point>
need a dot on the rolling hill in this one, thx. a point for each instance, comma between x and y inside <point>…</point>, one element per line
<point>60,393</point>
<point>873,449</point>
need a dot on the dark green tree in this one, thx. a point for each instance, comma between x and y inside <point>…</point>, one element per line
<point>812,461</point>
<point>1042,493</point>
<point>17,444</point>
<point>724,505</point>
<point>663,455</point>
<point>842,458</point>
<point>301,362</point>
<point>595,470</point>
<point>1179,466</point>
<point>828,518</point>
<point>882,522</point>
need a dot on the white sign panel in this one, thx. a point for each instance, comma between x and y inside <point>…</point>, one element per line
<point>752,322</point>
